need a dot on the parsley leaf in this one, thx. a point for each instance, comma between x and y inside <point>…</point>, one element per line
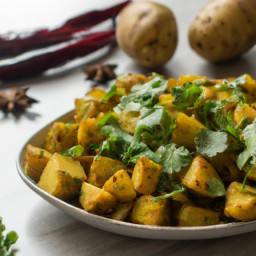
<point>215,187</point>
<point>6,240</point>
<point>249,136</point>
<point>109,118</point>
<point>211,143</point>
<point>187,96</point>
<point>74,151</point>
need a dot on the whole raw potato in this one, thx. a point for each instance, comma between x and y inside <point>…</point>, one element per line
<point>224,29</point>
<point>147,32</point>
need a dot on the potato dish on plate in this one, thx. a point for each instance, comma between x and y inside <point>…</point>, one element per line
<point>156,151</point>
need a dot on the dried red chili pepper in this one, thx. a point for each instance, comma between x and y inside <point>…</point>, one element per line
<point>20,43</point>
<point>40,63</point>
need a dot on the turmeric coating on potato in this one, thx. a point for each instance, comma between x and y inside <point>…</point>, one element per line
<point>156,151</point>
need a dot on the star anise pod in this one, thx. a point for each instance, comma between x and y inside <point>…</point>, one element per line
<point>16,101</point>
<point>100,73</point>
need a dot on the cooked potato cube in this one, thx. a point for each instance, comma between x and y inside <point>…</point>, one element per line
<point>250,85</point>
<point>96,200</point>
<point>96,94</point>
<point>186,130</point>
<point>122,211</point>
<point>36,158</point>
<point>62,177</point>
<point>128,121</point>
<point>88,133</point>
<point>145,176</point>
<point>85,161</point>
<point>129,80</point>
<point>61,137</point>
<point>244,112</point>
<point>171,83</point>
<point>147,212</point>
<point>198,176</point>
<point>191,216</point>
<point>189,78</point>
<point>102,169</point>
<point>120,186</point>
<point>226,167</point>
<point>240,204</point>
<point>85,108</point>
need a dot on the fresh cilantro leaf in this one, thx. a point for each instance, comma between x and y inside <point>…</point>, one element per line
<point>249,137</point>
<point>173,158</point>
<point>187,96</point>
<point>74,151</point>
<point>210,143</point>
<point>109,118</point>
<point>138,149</point>
<point>145,95</point>
<point>154,128</point>
<point>6,240</point>
<point>113,91</point>
<point>215,187</point>
<point>166,196</point>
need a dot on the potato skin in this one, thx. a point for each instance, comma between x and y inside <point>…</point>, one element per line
<point>147,32</point>
<point>224,29</point>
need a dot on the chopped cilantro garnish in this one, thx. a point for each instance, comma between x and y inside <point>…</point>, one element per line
<point>166,196</point>
<point>6,240</point>
<point>113,91</point>
<point>187,96</point>
<point>210,143</point>
<point>74,151</point>
<point>215,187</point>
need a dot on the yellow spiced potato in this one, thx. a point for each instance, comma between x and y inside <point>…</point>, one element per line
<point>96,200</point>
<point>120,186</point>
<point>62,136</point>
<point>156,151</point>
<point>191,216</point>
<point>102,169</point>
<point>36,158</point>
<point>62,177</point>
<point>145,176</point>
<point>199,175</point>
<point>240,205</point>
<point>148,212</point>
<point>122,211</point>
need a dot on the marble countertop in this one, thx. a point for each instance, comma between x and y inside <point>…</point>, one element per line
<point>43,229</point>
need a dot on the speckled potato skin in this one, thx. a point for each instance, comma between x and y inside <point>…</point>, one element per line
<point>224,29</point>
<point>147,32</point>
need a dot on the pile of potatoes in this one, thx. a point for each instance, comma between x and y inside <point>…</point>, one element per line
<point>223,30</point>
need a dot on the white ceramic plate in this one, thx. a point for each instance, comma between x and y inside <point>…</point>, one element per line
<point>124,228</point>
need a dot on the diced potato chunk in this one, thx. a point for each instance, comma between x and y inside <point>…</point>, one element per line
<point>128,121</point>
<point>171,83</point>
<point>147,212</point>
<point>226,167</point>
<point>240,204</point>
<point>191,216</point>
<point>85,161</point>
<point>122,211</point>
<point>186,130</point>
<point>145,176</point>
<point>62,177</point>
<point>36,158</point>
<point>102,169</point>
<point>198,175</point>
<point>96,200</point>
<point>244,112</point>
<point>120,186</point>
<point>96,94</point>
<point>88,133</point>
<point>189,78</point>
<point>61,137</point>
<point>85,108</point>
<point>129,80</point>
<point>250,85</point>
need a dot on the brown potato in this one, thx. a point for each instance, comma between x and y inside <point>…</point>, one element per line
<point>147,32</point>
<point>224,29</point>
